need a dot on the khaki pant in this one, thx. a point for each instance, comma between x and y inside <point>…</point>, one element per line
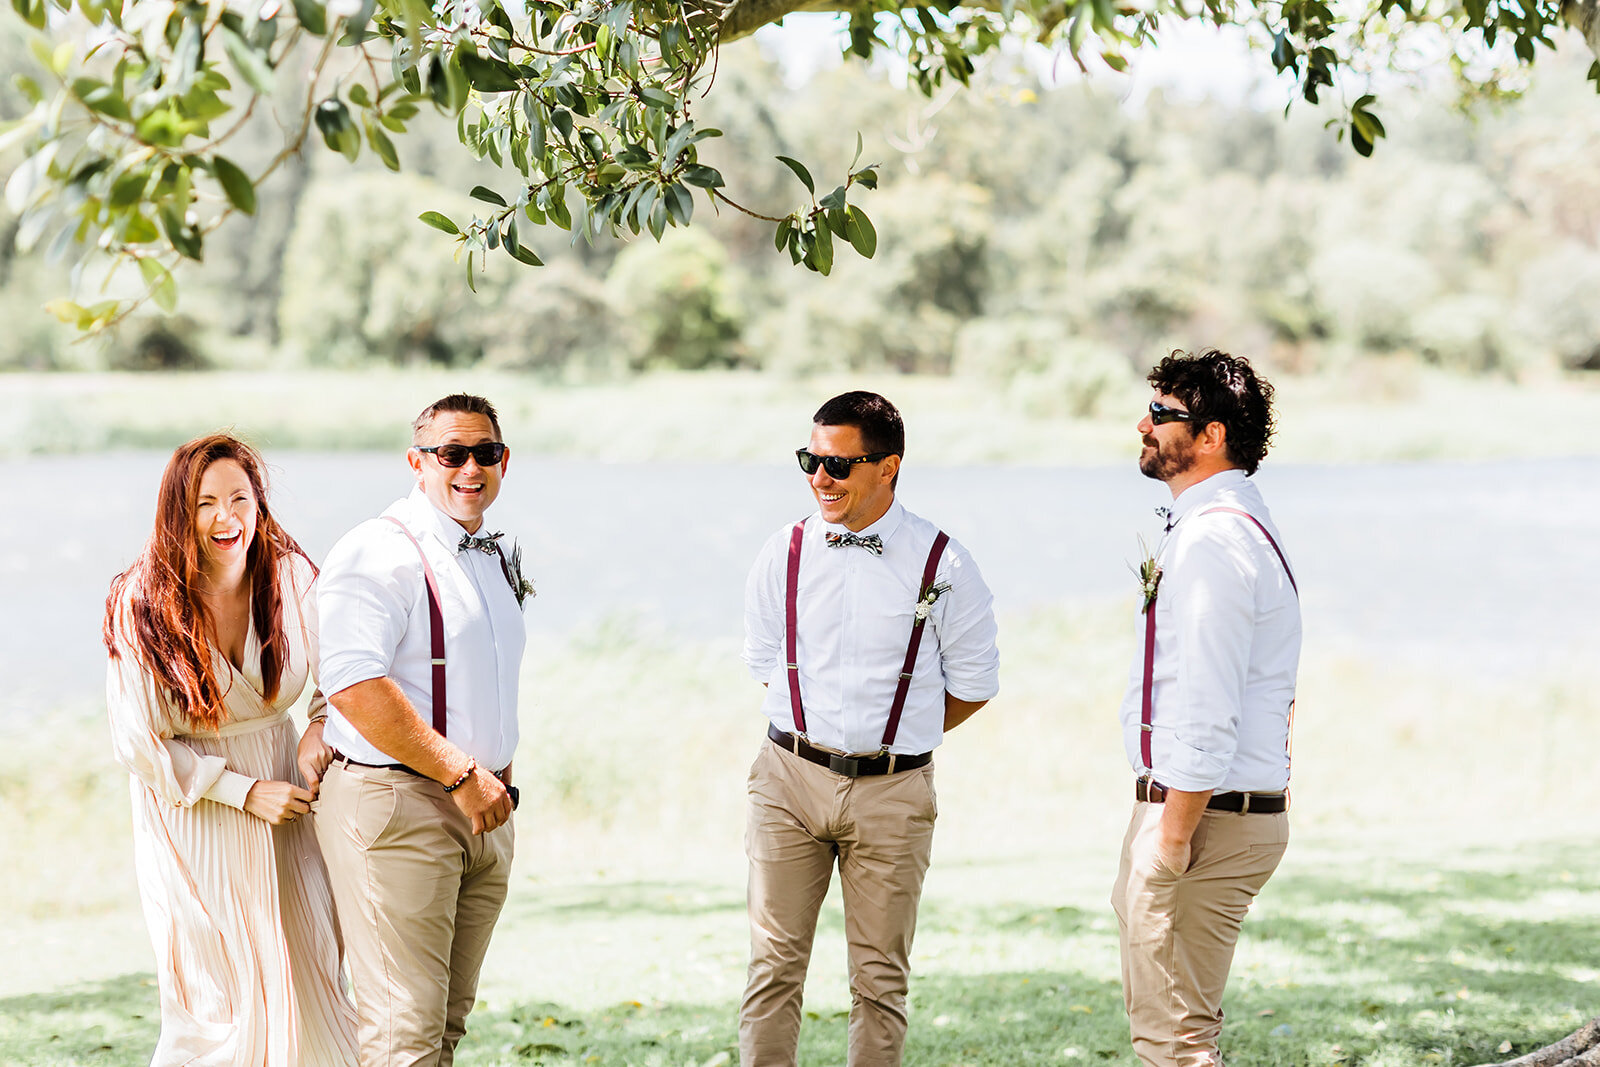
<point>417,896</point>
<point>1179,930</point>
<point>802,816</point>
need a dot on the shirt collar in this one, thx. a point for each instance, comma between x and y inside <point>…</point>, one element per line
<point>887,524</point>
<point>1203,492</point>
<point>427,519</point>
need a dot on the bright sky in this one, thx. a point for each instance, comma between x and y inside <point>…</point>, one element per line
<point>1190,59</point>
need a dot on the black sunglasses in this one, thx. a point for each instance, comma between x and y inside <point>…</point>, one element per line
<point>487,454</point>
<point>1160,414</point>
<point>838,467</point>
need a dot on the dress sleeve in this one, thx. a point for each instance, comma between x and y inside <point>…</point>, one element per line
<point>143,737</point>
<point>967,634</point>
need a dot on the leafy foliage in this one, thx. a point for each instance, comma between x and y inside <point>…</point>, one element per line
<point>585,106</point>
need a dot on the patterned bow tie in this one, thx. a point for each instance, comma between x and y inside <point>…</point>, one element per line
<point>1165,514</point>
<point>485,544</point>
<point>871,542</point>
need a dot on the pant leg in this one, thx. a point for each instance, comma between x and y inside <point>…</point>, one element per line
<point>790,865</point>
<point>395,863</point>
<point>885,844</point>
<point>482,895</point>
<point>1180,931</point>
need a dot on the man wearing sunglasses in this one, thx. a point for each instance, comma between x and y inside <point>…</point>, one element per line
<point>1207,711</point>
<point>421,645</point>
<point>874,634</point>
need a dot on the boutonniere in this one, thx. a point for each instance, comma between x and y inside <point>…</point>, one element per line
<point>929,597</point>
<point>1149,573</point>
<point>521,587</point>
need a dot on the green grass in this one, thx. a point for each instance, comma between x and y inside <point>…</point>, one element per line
<point>1441,896</point>
<point>1388,410</point>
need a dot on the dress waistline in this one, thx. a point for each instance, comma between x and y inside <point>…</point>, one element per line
<point>244,726</point>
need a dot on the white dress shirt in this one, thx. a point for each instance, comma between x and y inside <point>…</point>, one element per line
<point>373,603</point>
<point>1227,648</point>
<point>853,624</point>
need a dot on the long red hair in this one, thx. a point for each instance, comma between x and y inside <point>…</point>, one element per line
<point>166,622</point>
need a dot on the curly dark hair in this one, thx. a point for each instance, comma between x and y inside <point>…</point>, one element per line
<point>1217,387</point>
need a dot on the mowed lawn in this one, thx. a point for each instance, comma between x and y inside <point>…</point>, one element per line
<point>1440,902</point>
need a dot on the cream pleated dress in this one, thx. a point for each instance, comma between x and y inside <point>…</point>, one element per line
<point>247,950</point>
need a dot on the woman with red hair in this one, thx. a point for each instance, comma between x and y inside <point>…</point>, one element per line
<point>212,635</point>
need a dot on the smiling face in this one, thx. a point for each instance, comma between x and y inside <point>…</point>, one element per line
<point>463,492</point>
<point>861,499</point>
<point>225,518</point>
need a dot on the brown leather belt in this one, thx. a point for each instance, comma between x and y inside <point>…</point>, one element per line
<point>340,757</point>
<point>1242,803</point>
<point>849,766</point>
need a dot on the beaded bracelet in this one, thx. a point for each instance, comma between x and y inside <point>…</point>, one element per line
<point>472,765</point>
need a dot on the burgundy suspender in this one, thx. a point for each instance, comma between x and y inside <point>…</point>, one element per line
<point>1150,636</point>
<point>1149,681</point>
<point>904,687</point>
<point>790,638</point>
<point>791,600</point>
<point>435,629</point>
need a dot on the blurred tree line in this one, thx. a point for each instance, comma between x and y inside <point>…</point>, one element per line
<point>1042,241</point>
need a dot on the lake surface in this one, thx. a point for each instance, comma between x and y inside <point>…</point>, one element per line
<point>1477,568</point>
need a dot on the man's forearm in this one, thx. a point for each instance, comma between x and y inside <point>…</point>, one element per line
<point>957,711</point>
<point>1181,814</point>
<point>381,713</point>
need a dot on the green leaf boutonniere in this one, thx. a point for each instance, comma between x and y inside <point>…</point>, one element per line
<point>929,597</point>
<point>1149,572</point>
<point>521,587</point>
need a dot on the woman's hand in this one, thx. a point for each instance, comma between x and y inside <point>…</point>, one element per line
<point>277,802</point>
<point>313,756</point>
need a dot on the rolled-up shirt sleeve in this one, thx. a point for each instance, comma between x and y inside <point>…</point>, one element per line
<point>1212,592</point>
<point>763,614</point>
<point>364,598</point>
<point>964,620</point>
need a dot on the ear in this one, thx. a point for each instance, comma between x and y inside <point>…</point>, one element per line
<point>505,460</point>
<point>888,469</point>
<point>414,460</point>
<point>1213,440</point>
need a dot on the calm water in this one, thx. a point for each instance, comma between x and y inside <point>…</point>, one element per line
<point>1472,568</point>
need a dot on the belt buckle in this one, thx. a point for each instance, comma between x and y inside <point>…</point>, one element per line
<point>849,766</point>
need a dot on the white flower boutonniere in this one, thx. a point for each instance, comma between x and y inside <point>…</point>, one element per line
<point>929,597</point>
<point>1149,574</point>
<point>521,587</point>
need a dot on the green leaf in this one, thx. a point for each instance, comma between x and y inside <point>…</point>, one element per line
<point>472,280</point>
<point>658,98</point>
<point>96,95</point>
<point>358,95</point>
<point>439,222</point>
<point>312,15</point>
<point>382,145</point>
<point>704,177</point>
<point>485,74</point>
<point>822,254</point>
<point>488,196</point>
<point>253,66</point>
<point>781,238</point>
<point>834,199</point>
<point>800,172</point>
<point>859,232</point>
<point>127,189</point>
<point>163,288</point>
<point>857,157</point>
<point>240,190</point>
<point>680,203</point>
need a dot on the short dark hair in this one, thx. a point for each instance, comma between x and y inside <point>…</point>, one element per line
<point>1217,387</point>
<point>876,418</point>
<point>465,403</point>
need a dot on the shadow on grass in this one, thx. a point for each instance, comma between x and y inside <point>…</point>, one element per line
<point>113,1023</point>
<point>1415,964</point>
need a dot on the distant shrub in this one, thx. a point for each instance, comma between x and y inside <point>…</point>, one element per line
<point>679,303</point>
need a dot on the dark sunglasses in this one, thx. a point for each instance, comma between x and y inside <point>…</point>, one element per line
<point>838,467</point>
<point>487,454</point>
<point>1160,414</point>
